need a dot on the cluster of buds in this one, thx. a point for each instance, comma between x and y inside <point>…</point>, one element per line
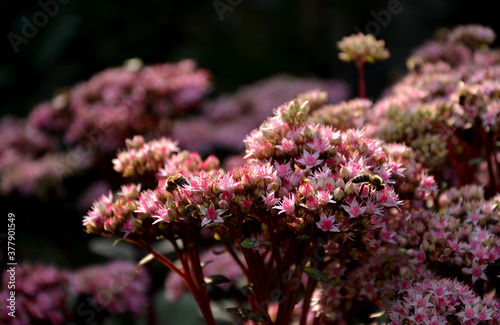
<point>362,48</point>
<point>344,115</point>
<point>141,158</point>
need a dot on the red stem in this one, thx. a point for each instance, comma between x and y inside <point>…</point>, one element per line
<point>361,78</point>
<point>200,297</point>
<point>311,283</point>
<point>489,161</point>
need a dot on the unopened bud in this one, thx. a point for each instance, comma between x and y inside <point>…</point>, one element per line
<point>363,148</point>
<point>344,173</point>
<point>292,109</point>
<point>285,116</point>
<point>308,132</point>
<point>338,194</point>
<point>301,117</point>
<point>268,134</point>
<point>349,189</point>
<point>305,107</point>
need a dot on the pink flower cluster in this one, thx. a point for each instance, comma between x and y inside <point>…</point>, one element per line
<point>44,294</point>
<point>80,126</point>
<point>297,187</point>
<point>41,294</point>
<point>447,108</point>
<point>115,286</point>
<point>439,301</point>
<point>337,199</point>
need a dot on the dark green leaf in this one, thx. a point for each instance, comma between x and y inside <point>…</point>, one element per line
<point>316,274</point>
<point>250,243</point>
<point>265,243</point>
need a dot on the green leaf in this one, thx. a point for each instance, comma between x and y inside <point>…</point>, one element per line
<point>216,279</point>
<point>250,243</point>
<point>246,314</point>
<point>316,275</point>
<point>265,243</point>
<point>302,237</point>
<point>476,161</point>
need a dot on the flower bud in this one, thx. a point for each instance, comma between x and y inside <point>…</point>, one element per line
<point>305,108</point>
<point>349,189</point>
<point>223,204</point>
<point>292,109</point>
<point>338,194</point>
<point>363,148</point>
<point>301,117</point>
<point>344,173</point>
<point>268,134</point>
<point>308,132</point>
<point>285,116</point>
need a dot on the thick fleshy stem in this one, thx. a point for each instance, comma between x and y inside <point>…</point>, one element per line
<point>306,304</point>
<point>490,162</point>
<point>200,298</point>
<point>360,65</point>
<point>296,259</point>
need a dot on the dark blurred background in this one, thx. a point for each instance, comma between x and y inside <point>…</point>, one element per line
<point>240,41</point>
